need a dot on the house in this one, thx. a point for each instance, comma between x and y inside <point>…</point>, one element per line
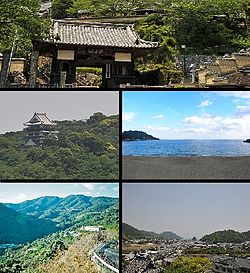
<point>91,228</point>
<point>231,265</point>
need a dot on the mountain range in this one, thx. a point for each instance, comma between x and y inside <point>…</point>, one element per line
<point>131,232</point>
<point>32,219</point>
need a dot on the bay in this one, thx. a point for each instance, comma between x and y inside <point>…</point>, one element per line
<point>190,147</point>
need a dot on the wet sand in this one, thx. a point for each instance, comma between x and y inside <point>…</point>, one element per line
<point>141,167</point>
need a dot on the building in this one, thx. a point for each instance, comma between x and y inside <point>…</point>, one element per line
<point>37,128</point>
<point>92,228</point>
<point>231,265</point>
<point>222,72</point>
<point>75,43</point>
<point>17,64</point>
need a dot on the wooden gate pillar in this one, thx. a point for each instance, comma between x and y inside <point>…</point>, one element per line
<point>4,70</point>
<point>33,69</point>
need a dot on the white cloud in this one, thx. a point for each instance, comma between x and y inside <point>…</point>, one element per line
<point>218,127</point>
<point>157,128</point>
<point>203,120</point>
<point>236,94</point>
<point>100,189</point>
<point>159,116</point>
<point>15,199</point>
<point>205,103</point>
<point>90,186</point>
<point>242,109</point>
<point>128,116</point>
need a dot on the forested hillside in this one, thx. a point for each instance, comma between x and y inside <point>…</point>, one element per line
<point>18,228</point>
<point>227,236</point>
<point>71,210</point>
<point>48,233</point>
<point>84,150</point>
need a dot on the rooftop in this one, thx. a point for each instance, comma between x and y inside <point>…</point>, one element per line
<point>39,118</point>
<point>98,34</point>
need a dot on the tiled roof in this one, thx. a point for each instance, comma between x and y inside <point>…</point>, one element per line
<point>40,118</point>
<point>98,34</point>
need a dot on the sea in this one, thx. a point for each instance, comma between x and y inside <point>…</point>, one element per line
<point>221,147</point>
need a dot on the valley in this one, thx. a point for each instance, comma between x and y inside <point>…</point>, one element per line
<point>56,234</point>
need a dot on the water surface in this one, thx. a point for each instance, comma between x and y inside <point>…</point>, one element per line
<point>189,147</point>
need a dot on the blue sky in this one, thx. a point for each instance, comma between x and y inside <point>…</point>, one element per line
<point>186,209</point>
<point>188,115</point>
<point>19,192</point>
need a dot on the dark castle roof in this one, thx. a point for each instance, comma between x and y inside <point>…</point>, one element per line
<point>98,34</point>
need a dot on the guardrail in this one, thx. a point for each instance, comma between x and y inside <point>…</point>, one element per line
<point>103,264</point>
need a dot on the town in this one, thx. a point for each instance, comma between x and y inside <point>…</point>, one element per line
<point>155,255</point>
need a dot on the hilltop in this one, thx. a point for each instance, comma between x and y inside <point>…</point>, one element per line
<point>70,210</point>
<point>131,232</point>
<point>85,149</point>
<point>227,236</point>
<point>136,135</point>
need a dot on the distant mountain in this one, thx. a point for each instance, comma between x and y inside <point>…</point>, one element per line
<point>16,227</point>
<point>72,209</point>
<point>131,232</point>
<point>136,135</point>
<point>227,236</point>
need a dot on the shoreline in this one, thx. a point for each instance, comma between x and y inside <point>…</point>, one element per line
<point>186,167</point>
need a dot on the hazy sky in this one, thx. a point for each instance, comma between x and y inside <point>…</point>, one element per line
<point>186,209</point>
<point>188,115</point>
<point>18,192</point>
<point>17,107</point>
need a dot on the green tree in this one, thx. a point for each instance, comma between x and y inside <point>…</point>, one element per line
<point>19,24</point>
<point>61,9</point>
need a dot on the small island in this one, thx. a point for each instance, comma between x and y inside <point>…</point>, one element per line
<point>137,135</point>
<point>247,140</point>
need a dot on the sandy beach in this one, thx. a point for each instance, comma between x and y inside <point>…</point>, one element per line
<point>141,167</point>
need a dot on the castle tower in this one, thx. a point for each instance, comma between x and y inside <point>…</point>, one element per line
<point>37,128</point>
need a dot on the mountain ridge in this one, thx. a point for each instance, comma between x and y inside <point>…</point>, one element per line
<point>55,213</point>
<point>129,231</point>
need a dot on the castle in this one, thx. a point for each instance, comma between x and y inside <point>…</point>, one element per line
<point>37,128</point>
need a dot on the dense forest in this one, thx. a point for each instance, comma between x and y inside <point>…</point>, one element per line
<point>203,27</point>
<point>136,135</point>
<point>227,236</point>
<point>66,245</point>
<point>84,150</point>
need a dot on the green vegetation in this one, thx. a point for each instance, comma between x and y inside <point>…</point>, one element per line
<point>29,228</point>
<point>227,236</point>
<point>184,264</point>
<point>71,210</point>
<point>93,70</point>
<point>64,250</point>
<point>84,150</point>
<point>208,27</point>
<point>137,135</point>
<point>59,252</point>
<point>20,18</point>
<point>36,218</point>
<point>131,233</point>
